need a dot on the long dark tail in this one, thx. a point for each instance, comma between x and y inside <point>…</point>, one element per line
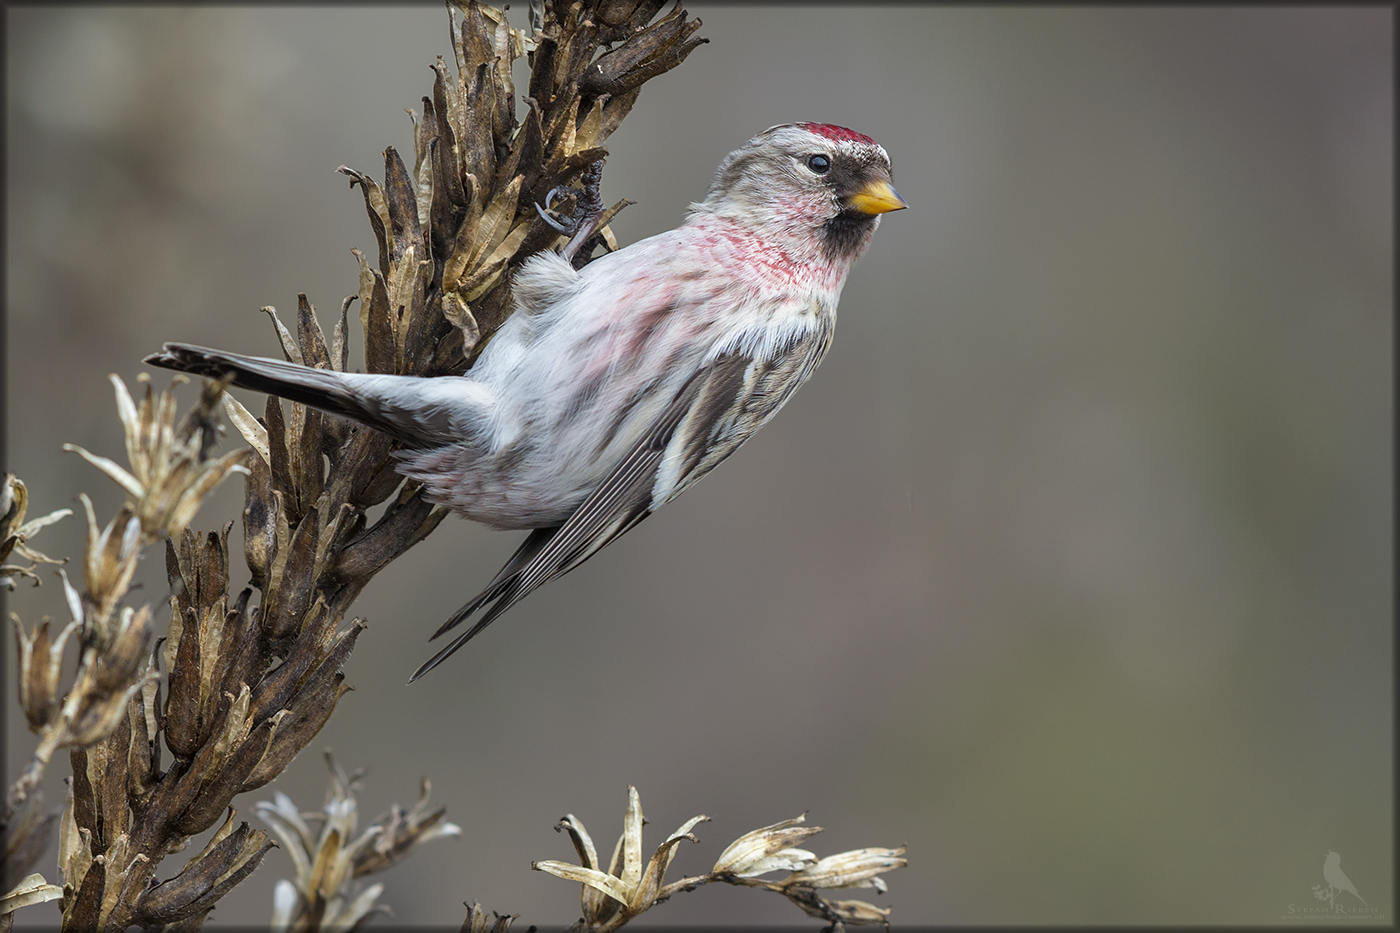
<point>368,399</point>
<point>395,404</point>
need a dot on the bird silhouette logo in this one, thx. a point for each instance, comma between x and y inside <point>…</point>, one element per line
<point>1337,882</point>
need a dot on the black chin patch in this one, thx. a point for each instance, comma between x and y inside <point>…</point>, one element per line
<point>844,235</point>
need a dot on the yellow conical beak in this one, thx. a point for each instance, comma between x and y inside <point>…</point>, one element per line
<point>878,197</point>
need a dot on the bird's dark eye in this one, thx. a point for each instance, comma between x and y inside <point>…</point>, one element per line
<point>819,164</point>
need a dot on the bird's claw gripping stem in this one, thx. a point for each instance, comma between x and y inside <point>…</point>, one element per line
<point>563,225</point>
<point>582,226</point>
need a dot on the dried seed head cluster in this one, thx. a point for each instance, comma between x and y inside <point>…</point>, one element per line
<point>230,856</point>
<point>614,895</point>
<point>771,848</point>
<point>627,886</point>
<point>327,854</point>
<point>40,666</point>
<point>478,922</point>
<point>15,532</point>
<point>170,473</point>
<point>450,230</point>
<point>124,812</point>
<point>111,715</point>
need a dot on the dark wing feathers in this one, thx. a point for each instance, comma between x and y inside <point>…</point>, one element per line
<point>502,580</point>
<point>623,505</point>
<point>717,404</point>
<point>738,401</point>
<point>614,508</point>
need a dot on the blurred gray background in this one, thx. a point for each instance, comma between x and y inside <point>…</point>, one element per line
<point>1071,568</point>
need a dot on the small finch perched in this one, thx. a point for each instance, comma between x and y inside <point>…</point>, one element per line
<point>611,389</point>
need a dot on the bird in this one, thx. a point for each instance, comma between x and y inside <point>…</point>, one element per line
<point>1335,877</point>
<point>612,388</point>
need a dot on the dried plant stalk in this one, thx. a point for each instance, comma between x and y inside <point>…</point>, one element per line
<point>626,887</point>
<point>108,715</point>
<point>328,855</point>
<point>252,680</point>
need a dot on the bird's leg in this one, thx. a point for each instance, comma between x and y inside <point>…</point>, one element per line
<point>582,226</point>
<point>586,212</point>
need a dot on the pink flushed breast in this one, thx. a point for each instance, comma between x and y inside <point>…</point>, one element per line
<point>766,264</point>
<point>639,320</point>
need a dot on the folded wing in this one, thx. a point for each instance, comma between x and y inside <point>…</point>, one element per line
<point>714,413</point>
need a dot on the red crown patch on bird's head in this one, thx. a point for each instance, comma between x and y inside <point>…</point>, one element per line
<point>836,133</point>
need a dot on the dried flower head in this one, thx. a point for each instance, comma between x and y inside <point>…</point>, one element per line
<point>859,868</point>
<point>401,831</point>
<point>15,532</point>
<point>614,896</point>
<point>477,920</point>
<point>109,562</point>
<point>329,856</point>
<point>630,886</point>
<point>856,913</point>
<point>170,472</point>
<point>768,849</point>
<point>230,856</point>
<point>40,666</point>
